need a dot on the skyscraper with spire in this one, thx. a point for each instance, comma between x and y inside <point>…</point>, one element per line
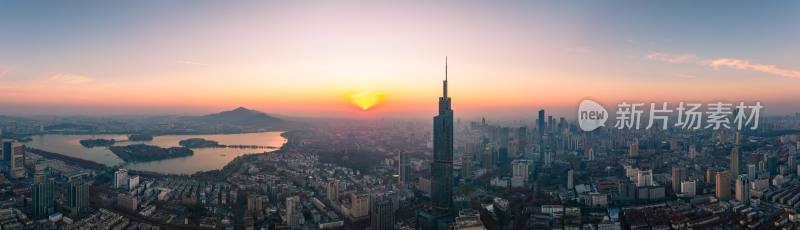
<point>442,166</point>
<point>736,158</point>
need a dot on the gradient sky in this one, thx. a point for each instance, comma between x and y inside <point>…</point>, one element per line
<point>506,58</point>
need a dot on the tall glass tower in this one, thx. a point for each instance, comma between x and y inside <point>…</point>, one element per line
<point>42,195</point>
<point>442,166</point>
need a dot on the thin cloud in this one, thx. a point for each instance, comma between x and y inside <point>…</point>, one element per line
<point>685,76</point>
<point>68,79</point>
<point>733,63</point>
<point>747,65</point>
<point>671,58</point>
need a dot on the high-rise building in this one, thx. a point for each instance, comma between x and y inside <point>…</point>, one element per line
<point>521,168</point>
<point>14,155</point>
<point>467,162</point>
<point>487,158</point>
<point>255,202</point>
<point>78,198</point>
<point>736,162</point>
<point>540,126</point>
<point>127,201</point>
<point>522,139</point>
<point>588,151</point>
<point>332,191</point>
<point>294,213</point>
<point>520,172</point>
<point>42,195</point>
<point>633,149</point>
<point>631,172</point>
<point>752,171</point>
<point>382,212</point>
<point>503,137</point>
<point>737,140</point>
<point>798,170</point>
<point>570,179</point>
<point>133,182</point>
<point>548,158</point>
<point>710,175</point>
<point>442,166</point>
<point>502,157</point>
<point>541,123</point>
<point>678,175</point>
<point>689,188</point>
<point>404,168</point>
<point>771,164</point>
<point>743,189</point>
<point>644,178</point>
<point>359,205</point>
<point>723,185</point>
<point>121,179</point>
<point>626,190</point>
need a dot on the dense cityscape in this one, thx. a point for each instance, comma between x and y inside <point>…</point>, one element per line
<point>399,115</point>
<point>392,174</point>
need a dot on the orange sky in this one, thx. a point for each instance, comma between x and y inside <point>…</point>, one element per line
<point>306,60</point>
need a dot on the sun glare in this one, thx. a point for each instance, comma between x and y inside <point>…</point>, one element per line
<point>366,100</point>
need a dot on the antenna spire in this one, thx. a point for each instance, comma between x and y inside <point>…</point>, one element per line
<point>445,77</point>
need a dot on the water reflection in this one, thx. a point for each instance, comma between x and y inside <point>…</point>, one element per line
<point>202,160</point>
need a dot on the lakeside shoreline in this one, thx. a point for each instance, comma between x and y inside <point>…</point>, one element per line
<point>148,133</point>
<point>100,166</point>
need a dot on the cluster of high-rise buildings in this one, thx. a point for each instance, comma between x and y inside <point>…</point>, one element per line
<point>546,174</point>
<point>45,184</point>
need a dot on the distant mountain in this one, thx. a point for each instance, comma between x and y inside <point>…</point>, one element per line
<point>243,117</point>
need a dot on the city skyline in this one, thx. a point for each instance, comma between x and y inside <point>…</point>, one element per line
<point>156,58</point>
<point>612,115</point>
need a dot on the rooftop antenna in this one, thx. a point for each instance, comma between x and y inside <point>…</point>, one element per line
<point>445,77</point>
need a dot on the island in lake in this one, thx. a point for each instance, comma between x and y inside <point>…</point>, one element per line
<point>140,137</point>
<point>91,143</point>
<point>200,143</point>
<point>142,152</point>
<point>205,143</point>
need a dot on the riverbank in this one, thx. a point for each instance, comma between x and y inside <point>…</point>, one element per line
<point>221,174</point>
<point>27,136</point>
<point>73,160</point>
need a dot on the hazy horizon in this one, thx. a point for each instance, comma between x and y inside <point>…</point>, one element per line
<point>496,115</point>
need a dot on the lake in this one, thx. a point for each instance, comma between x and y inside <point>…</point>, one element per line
<point>204,159</point>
